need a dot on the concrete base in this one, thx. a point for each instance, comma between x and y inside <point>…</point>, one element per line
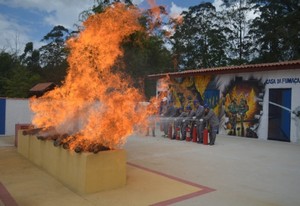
<point>82,173</point>
<point>20,127</point>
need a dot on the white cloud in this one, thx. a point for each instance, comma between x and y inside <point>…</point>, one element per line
<point>13,36</point>
<point>137,2</point>
<point>62,12</point>
<point>249,14</point>
<point>58,12</point>
<point>217,4</point>
<point>175,10</point>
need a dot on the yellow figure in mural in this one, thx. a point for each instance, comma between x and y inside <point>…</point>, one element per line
<point>187,82</point>
<point>201,83</point>
<point>182,94</point>
<point>233,109</point>
<point>251,100</point>
<point>174,95</point>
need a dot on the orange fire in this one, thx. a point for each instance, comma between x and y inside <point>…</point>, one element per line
<point>154,8</point>
<point>94,104</point>
<point>163,84</point>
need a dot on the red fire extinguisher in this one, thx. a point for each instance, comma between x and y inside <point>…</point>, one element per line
<point>177,133</point>
<point>188,133</point>
<point>194,133</point>
<point>205,136</point>
<point>170,131</point>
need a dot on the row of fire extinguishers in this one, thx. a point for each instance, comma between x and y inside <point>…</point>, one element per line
<point>191,133</point>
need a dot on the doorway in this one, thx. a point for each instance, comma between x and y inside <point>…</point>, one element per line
<point>279,114</point>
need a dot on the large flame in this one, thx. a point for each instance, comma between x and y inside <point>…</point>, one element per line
<point>163,84</point>
<point>154,8</point>
<point>94,103</point>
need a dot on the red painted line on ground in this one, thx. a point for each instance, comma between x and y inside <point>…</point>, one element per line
<point>5,196</point>
<point>203,189</point>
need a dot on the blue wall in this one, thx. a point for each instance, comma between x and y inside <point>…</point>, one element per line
<point>2,116</point>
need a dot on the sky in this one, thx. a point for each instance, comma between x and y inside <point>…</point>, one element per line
<point>23,21</point>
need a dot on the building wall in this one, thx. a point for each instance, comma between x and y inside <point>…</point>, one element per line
<point>283,80</point>
<point>255,105</point>
<point>16,111</point>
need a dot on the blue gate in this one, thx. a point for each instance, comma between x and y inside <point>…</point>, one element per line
<point>2,116</point>
<point>279,114</point>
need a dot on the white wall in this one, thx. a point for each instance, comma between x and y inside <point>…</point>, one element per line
<point>278,76</point>
<point>272,80</point>
<point>17,112</point>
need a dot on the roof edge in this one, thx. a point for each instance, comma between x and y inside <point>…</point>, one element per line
<point>295,64</point>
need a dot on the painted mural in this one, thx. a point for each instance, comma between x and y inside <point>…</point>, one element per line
<point>238,104</point>
<point>243,107</point>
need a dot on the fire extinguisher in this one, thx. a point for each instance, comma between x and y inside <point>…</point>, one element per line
<point>205,136</point>
<point>194,133</point>
<point>177,133</point>
<point>188,133</point>
<point>170,131</point>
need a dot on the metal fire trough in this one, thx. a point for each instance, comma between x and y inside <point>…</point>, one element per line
<point>81,172</point>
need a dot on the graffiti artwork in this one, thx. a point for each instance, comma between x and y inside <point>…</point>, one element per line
<point>242,107</point>
<point>240,104</point>
<point>184,90</point>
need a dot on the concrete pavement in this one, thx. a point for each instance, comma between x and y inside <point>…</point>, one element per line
<point>243,171</point>
<point>235,171</point>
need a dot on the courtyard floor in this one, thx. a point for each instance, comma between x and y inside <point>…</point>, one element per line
<point>235,171</point>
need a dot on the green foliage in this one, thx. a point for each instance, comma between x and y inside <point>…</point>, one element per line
<point>53,56</point>
<point>99,6</point>
<point>200,41</point>
<point>15,80</point>
<point>54,53</point>
<point>31,57</point>
<point>48,64</point>
<point>20,82</point>
<point>206,38</point>
<point>276,30</point>
<point>7,63</point>
<point>144,51</point>
<point>210,38</point>
<point>234,16</point>
<point>143,55</point>
<point>54,74</point>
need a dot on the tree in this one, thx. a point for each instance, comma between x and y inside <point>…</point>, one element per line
<point>15,79</point>
<point>276,30</point>
<point>20,82</point>
<point>8,62</point>
<point>54,53</point>
<point>99,7</point>
<point>30,58</point>
<point>200,40</point>
<point>144,55</point>
<point>144,51</point>
<point>53,56</point>
<point>235,18</point>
